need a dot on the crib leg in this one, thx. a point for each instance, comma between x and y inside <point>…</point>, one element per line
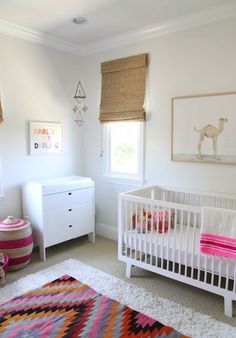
<point>228,305</point>
<point>128,270</point>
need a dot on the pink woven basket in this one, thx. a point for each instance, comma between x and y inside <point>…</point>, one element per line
<point>16,242</point>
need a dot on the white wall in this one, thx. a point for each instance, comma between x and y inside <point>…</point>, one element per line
<point>196,61</point>
<point>36,84</point>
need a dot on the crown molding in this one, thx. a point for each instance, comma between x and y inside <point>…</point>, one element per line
<point>211,15</point>
<point>12,29</point>
<point>162,28</point>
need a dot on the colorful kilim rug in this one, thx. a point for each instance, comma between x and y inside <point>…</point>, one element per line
<point>68,308</point>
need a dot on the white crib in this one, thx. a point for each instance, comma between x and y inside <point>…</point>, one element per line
<point>159,230</point>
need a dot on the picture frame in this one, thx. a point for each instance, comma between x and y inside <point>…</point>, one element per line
<point>45,138</point>
<point>203,128</point>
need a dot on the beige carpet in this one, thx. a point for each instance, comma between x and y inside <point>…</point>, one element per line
<point>103,255</point>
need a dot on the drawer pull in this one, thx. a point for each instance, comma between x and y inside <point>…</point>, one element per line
<point>70,226</point>
<point>69,193</point>
<point>70,210</point>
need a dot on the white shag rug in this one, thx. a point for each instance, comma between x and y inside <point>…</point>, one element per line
<point>184,320</point>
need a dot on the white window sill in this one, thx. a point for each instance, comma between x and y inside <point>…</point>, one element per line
<point>124,181</point>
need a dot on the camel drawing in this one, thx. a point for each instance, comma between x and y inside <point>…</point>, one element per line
<point>212,132</point>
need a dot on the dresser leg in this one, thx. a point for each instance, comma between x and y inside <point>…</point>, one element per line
<point>42,253</point>
<point>91,237</point>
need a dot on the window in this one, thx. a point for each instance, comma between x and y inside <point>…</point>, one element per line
<point>122,115</point>
<point>124,151</point>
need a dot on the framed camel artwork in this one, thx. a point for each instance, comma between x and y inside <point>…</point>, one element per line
<point>203,128</point>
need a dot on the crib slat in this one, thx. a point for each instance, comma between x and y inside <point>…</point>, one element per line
<point>153,196</point>
<point>126,227</point>
<point>156,236</point>
<point>205,270</point>
<point>168,238</point>
<point>136,230</point>
<point>175,229</point>
<point>162,237</point>
<point>141,234</point>
<point>198,265</point>
<point>227,275</point>
<point>212,269</point>
<point>180,241</point>
<point>151,240</point>
<point>220,270</point>
<point>193,251</point>
<point>187,240</point>
<point>130,228</point>
<point>146,234</point>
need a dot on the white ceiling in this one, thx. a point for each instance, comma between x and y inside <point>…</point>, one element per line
<point>106,18</point>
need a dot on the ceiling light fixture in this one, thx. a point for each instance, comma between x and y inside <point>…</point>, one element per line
<point>80,20</point>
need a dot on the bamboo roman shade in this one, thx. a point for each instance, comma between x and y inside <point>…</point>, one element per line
<point>123,89</point>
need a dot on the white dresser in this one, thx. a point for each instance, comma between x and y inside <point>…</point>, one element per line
<point>59,209</point>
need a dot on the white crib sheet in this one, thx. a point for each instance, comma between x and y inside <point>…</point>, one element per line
<point>183,247</point>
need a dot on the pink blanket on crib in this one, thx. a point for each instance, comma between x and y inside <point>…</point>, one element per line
<point>218,232</point>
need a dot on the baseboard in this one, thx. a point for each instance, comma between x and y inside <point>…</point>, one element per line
<point>107,231</point>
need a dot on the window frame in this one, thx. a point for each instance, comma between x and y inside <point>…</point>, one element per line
<point>126,178</point>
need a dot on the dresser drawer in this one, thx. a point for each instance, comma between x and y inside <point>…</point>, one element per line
<point>59,234</point>
<point>77,215</point>
<point>68,228</point>
<point>67,199</point>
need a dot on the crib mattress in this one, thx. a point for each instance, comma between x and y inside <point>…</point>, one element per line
<point>179,246</point>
